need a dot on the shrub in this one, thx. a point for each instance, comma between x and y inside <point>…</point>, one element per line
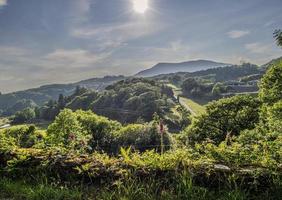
<point>142,137</point>
<point>21,136</point>
<point>66,131</point>
<point>224,117</point>
<point>271,84</point>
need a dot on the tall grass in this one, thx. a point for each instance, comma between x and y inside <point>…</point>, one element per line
<point>19,190</point>
<point>182,188</point>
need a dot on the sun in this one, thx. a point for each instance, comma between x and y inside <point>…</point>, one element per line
<point>140,6</point>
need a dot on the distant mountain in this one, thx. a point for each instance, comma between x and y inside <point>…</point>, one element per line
<point>190,66</point>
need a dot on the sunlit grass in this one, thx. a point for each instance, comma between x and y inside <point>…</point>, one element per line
<point>195,107</point>
<point>19,190</point>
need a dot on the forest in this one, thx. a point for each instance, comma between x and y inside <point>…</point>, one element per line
<point>135,140</point>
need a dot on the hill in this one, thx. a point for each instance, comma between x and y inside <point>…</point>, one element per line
<point>45,93</point>
<point>266,66</point>
<point>127,101</point>
<point>13,102</point>
<point>190,66</point>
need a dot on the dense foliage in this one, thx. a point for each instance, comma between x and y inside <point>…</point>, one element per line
<point>226,117</point>
<point>128,101</point>
<point>278,37</point>
<point>85,132</point>
<point>39,96</point>
<point>232,151</point>
<point>271,84</point>
<point>134,99</point>
<point>214,84</point>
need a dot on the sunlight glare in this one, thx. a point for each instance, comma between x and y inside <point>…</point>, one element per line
<point>140,6</point>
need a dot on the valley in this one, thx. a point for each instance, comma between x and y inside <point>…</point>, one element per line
<point>140,100</point>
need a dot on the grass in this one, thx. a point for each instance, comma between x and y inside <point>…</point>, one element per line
<point>172,86</point>
<point>174,111</point>
<point>129,189</point>
<point>190,104</point>
<point>20,190</point>
<point>194,107</point>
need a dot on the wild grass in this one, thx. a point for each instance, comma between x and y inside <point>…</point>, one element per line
<point>182,187</point>
<point>196,108</point>
<point>20,190</point>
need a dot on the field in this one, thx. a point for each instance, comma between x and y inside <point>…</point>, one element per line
<point>191,105</point>
<point>195,108</point>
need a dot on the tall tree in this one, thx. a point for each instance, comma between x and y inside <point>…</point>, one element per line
<point>271,84</point>
<point>278,36</point>
<point>61,101</point>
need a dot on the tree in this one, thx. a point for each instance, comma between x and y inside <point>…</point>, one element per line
<point>101,130</point>
<point>175,79</point>
<point>61,101</point>
<point>218,89</point>
<point>274,117</point>
<point>271,84</point>
<point>37,112</point>
<point>278,37</point>
<point>23,116</point>
<point>67,131</point>
<point>79,91</point>
<point>188,85</point>
<point>224,117</point>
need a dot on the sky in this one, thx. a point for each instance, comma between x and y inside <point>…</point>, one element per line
<point>63,41</point>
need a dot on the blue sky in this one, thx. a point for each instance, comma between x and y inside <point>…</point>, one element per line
<point>60,41</point>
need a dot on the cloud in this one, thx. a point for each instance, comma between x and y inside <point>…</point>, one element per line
<point>22,68</point>
<point>6,51</point>
<point>74,58</point>
<point>3,3</point>
<point>258,48</point>
<point>115,35</point>
<point>234,34</point>
<point>173,51</point>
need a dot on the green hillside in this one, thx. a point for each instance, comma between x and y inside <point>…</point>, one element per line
<point>231,151</point>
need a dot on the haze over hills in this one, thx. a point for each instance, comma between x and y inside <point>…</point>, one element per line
<point>47,92</point>
<point>189,66</point>
<point>39,96</point>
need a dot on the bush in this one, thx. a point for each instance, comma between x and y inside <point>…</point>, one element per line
<point>86,131</point>
<point>21,136</point>
<point>271,84</point>
<point>142,137</point>
<point>26,115</point>
<point>66,131</point>
<point>224,117</point>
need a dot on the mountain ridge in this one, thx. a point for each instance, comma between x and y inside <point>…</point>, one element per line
<point>187,66</point>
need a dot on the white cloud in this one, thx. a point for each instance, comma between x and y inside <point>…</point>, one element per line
<point>74,58</point>
<point>258,48</point>
<point>23,68</point>
<point>114,35</point>
<point>6,51</point>
<point>3,3</point>
<point>234,34</point>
